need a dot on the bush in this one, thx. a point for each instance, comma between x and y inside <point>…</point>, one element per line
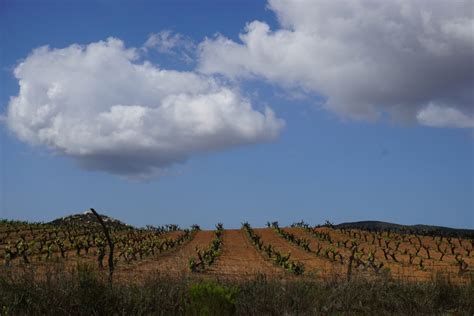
<point>210,298</point>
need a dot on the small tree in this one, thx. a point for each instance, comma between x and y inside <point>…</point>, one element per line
<point>111,245</point>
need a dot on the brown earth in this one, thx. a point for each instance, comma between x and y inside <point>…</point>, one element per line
<point>239,259</point>
<point>403,269</point>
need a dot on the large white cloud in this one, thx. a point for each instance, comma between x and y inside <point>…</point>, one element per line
<point>367,57</point>
<point>104,107</point>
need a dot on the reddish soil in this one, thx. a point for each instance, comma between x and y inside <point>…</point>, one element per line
<point>240,259</point>
<point>403,269</point>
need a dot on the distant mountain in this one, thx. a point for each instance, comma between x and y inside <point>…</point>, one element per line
<point>418,229</point>
<point>88,218</point>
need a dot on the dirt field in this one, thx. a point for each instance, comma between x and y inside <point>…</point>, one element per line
<point>141,253</point>
<point>240,259</point>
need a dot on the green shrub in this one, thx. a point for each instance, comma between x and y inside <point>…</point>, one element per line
<point>209,298</point>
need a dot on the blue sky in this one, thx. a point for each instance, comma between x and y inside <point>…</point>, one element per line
<point>327,162</point>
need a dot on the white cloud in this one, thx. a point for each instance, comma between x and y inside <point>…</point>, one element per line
<point>443,116</point>
<point>171,43</point>
<point>366,57</point>
<point>99,105</point>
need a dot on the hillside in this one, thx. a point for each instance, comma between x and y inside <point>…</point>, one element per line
<point>417,229</point>
<point>88,218</point>
<point>295,259</point>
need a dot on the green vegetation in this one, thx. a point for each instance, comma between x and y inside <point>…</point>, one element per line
<point>211,298</point>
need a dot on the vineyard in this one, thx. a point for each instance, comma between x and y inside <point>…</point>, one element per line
<point>301,251</point>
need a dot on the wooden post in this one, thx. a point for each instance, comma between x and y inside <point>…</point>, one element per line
<point>349,266</point>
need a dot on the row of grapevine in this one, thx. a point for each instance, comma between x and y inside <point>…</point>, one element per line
<point>399,249</point>
<point>205,258</point>
<point>284,261</point>
<point>419,248</point>
<point>26,243</point>
<point>356,256</point>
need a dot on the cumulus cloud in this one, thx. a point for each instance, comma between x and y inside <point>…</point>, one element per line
<point>102,106</point>
<point>365,57</point>
<point>171,43</point>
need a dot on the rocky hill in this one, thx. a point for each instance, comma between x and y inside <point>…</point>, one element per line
<point>88,218</point>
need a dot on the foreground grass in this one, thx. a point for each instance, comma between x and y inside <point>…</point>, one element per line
<point>84,291</point>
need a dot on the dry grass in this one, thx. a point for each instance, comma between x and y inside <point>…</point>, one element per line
<point>83,290</point>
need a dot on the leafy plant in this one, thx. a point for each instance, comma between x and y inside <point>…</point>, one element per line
<point>210,298</point>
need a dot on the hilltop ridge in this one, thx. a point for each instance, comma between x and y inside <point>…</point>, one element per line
<point>418,228</point>
<point>88,218</point>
